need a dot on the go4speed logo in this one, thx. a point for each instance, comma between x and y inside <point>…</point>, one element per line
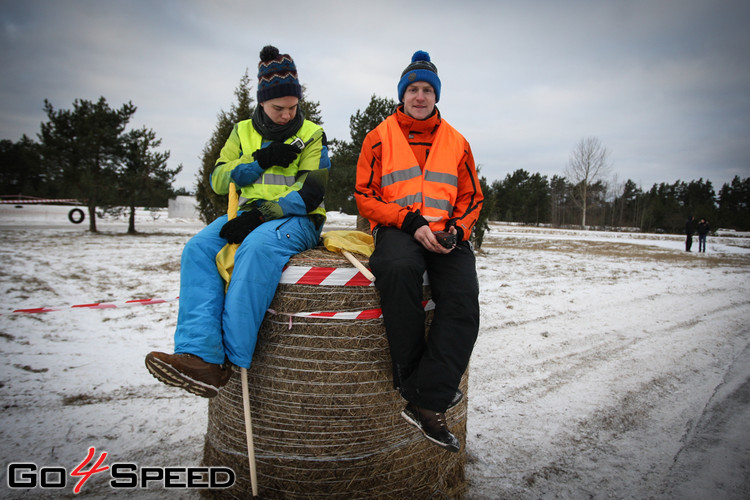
<point>28,475</point>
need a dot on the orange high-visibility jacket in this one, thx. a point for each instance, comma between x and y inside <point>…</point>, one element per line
<point>433,173</point>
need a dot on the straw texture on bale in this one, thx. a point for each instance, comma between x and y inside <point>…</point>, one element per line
<point>326,419</point>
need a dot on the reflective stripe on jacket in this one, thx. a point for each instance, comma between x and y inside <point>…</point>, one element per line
<point>433,190</point>
<point>421,135</point>
<point>275,182</point>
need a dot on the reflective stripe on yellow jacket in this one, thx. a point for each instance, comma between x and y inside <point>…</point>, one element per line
<point>275,182</point>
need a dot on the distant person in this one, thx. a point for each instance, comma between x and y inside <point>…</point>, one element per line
<point>280,214</point>
<point>417,182</point>
<point>703,229</point>
<point>689,233</point>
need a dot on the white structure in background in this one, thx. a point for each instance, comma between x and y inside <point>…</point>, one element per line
<point>183,207</point>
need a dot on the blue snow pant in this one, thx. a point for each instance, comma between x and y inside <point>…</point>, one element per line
<point>212,324</point>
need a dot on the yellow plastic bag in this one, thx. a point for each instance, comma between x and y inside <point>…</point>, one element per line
<point>351,241</point>
<point>345,242</point>
<point>225,257</point>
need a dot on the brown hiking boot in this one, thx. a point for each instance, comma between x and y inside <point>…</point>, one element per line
<point>188,372</point>
<point>432,424</point>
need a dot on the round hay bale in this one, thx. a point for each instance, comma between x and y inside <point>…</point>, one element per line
<point>326,419</point>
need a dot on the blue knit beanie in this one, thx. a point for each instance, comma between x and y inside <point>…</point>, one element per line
<point>277,75</point>
<point>420,70</point>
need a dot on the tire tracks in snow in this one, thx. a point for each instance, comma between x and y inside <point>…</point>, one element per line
<point>592,401</point>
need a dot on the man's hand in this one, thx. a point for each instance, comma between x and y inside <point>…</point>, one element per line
<point>276,153</point>
<point>269,210</point>
<point>424,236</point>
<point>237,229</point>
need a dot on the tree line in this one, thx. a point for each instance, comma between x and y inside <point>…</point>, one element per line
<point>535,199</point>
<point>87,153</point>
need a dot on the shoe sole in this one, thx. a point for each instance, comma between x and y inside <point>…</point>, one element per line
<point>413,422</point>
<point>167,374</point>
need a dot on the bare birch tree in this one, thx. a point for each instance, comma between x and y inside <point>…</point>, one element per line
<point>588,163</point>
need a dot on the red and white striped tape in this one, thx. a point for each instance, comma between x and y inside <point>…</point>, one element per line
<point>375,313</point>
<point>350,315</point>
<point>323,276</point>
<point>327,276</point>
<point>25,202</point>
<point>96,305</point>
<point>292,275</point>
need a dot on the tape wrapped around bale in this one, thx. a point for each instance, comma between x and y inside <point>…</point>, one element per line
<point>326,419</point>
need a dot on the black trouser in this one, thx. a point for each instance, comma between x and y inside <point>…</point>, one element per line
<point>426,371</point>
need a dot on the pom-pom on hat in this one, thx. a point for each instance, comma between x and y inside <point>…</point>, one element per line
<point>421,69</point>
<point>277,75</point>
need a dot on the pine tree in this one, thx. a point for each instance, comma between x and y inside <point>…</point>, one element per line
<point>85,144</point>
<point>311,109</point>
<point>21,169</point>
<point>483,225</point>
<point>210,204</point>
<point>734,204</point>
<point>340,192</point>
<point>143,176</point>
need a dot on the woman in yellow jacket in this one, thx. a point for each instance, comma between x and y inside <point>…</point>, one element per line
<point>280,162</point>
<point>418,186</point>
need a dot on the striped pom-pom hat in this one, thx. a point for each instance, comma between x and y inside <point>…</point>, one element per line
<point>277,75</point>
<point>421,69</point>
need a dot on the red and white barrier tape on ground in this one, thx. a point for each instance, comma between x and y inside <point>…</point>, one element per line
<point>375,313</point>
<point>96,305</point>
<point>292,275</point>
<point>25,202</point>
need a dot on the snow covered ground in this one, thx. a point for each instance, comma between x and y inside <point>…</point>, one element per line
<point>609,365</point>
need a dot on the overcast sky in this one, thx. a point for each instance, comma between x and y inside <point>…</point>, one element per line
<point>663,84</point>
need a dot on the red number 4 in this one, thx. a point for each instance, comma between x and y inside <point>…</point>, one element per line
<point>85,475</point>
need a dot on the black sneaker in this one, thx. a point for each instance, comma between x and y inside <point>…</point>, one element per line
<point>432,425</point>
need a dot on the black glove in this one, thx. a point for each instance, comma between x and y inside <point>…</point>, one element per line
<point>276,153</point>
<point>412,222</point>
<point>238,228</point>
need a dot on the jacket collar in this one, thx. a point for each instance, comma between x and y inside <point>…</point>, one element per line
<point>409,125</point>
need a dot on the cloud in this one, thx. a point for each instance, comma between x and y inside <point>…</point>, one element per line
<point>662,84</point>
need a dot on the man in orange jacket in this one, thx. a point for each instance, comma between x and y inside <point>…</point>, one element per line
<point>417,185</point>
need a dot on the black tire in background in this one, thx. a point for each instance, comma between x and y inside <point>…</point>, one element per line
<point>76,216</point>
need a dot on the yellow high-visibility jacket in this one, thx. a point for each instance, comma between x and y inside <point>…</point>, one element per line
<point>275,182</point>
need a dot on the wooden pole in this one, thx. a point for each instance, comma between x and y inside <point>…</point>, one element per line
<point>249,432</point>
<point>232,213</point>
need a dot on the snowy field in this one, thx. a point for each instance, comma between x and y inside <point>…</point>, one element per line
<point>609,365</point>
